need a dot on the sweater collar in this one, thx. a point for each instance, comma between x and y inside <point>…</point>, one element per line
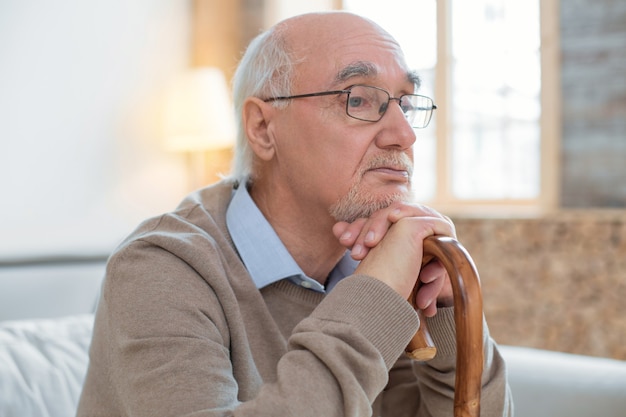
<point>263,253</point>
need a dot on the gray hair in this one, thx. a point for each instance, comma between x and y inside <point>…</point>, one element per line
<point>265,70</point>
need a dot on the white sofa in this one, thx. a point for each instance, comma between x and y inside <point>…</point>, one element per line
<point>45,328</point>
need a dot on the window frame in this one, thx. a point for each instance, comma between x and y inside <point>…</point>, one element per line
<point>550,128</point>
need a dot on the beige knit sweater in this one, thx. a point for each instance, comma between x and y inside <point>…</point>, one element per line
<point>181,330</point>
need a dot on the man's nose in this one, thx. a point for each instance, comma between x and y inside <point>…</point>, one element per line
<point>398,131</point>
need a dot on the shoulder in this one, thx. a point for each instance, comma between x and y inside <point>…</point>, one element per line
<point>189,241</point>
<point>198,224</point>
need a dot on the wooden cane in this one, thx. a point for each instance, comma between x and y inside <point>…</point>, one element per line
<point>468,317</point>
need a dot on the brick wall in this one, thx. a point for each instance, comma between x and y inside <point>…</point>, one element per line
<point>593,81</point>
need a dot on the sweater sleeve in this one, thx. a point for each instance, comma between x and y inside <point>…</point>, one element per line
<point>427,388</point>
<point>165,343</point>
<point>338,358</point>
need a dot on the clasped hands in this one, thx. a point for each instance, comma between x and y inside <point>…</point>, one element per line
<point>389,245</point>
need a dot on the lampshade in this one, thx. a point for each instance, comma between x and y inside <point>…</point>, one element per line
<point>199,113</point>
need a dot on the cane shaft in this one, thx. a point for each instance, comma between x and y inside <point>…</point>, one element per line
<point>468,317</point>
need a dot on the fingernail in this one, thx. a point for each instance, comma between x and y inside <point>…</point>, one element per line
<point>369,237</point>
<point>357,249</point>
<point>346,236</point>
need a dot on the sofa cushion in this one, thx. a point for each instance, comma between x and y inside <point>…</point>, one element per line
<point>554,384</point>
<point>43,364</point>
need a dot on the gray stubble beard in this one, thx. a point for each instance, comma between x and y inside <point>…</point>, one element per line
<point>356,204</point>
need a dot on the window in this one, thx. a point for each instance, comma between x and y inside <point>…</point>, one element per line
<point>482,62</point>
<point>492,68</point>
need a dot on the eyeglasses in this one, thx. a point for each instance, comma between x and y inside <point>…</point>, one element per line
<point>368,103</point>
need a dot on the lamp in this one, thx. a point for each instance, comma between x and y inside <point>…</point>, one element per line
<point>199,117</point>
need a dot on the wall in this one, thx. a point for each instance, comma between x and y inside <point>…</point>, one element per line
<point>558,282</point>
<point>593,82</point>
<point>81,87</point>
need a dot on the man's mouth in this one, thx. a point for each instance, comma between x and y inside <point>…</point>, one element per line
<point>392,171</point>
<point>396,166</point>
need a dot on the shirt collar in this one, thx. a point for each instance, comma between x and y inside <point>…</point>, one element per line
<point>264,254</point>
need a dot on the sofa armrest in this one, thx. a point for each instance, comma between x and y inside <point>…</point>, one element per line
<point>43,365</point>
<point>49,288</point>
<point>553,384</point>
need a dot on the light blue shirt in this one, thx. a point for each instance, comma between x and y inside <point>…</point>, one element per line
<point>264,254</point>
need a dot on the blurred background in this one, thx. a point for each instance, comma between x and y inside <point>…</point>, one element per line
<point>108,115</point>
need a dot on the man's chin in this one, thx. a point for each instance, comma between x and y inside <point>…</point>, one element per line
<point>355,205</point>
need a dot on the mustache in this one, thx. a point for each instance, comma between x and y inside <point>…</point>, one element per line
<point>396,160</point>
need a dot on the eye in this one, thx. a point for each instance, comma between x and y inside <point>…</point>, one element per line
<point>383,108</point>
<point>406,105</point>
<point>355,102</point>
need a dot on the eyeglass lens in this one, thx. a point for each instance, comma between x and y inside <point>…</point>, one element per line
<point>371,103</point>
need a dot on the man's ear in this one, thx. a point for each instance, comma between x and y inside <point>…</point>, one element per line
<point>257,117</point>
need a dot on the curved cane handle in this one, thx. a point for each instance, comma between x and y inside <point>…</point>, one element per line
<point>468,317</point>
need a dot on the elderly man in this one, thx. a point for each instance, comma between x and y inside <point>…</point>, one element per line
<point>283,290</point>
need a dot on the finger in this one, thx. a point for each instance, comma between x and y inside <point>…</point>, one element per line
<point>363,233</point>
<point>396,261</point>
<point>379,223</point>
<point>416,210</point>
<point>431,310</point>
<point>339,229</point>
<point>431,272</point>
<point>432,279</point>
<point>347,233</point>
<point>426,297</point>
<point>370,235</point>
<point>411,210</point>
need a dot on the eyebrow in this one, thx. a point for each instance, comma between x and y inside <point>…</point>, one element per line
<point>368,69</point>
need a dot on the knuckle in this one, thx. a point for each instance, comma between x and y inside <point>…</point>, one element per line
<point>420,227</point>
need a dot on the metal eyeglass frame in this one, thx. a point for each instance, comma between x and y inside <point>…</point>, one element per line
<point>383,107</point>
